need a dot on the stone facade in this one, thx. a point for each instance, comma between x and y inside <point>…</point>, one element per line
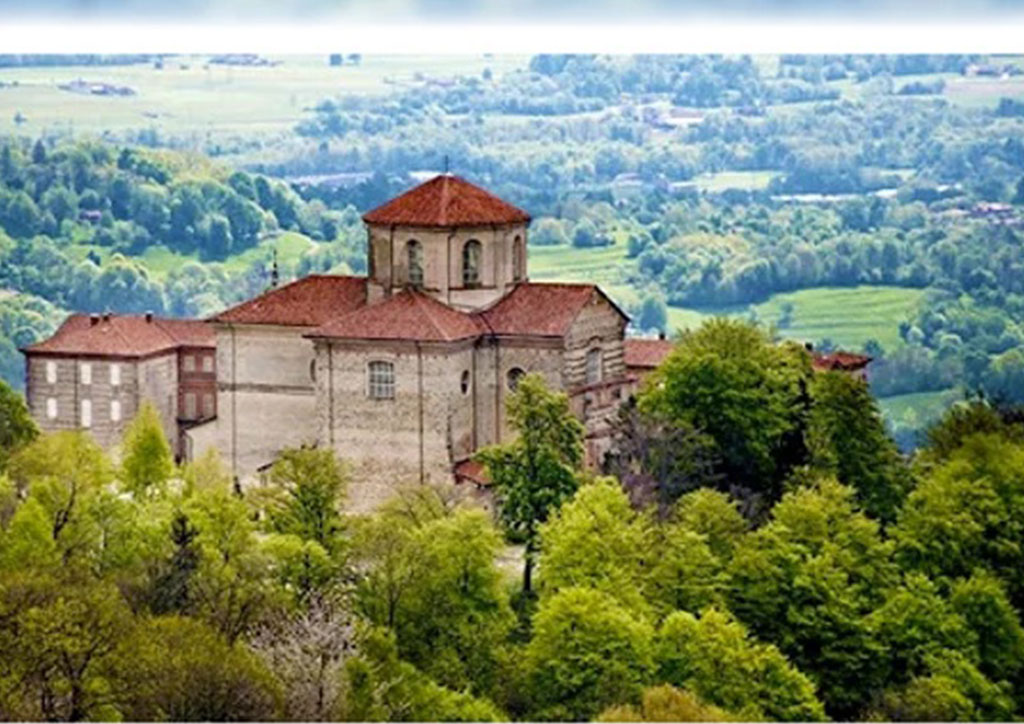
<point>448,400</point>
<point>501,262</point>
<point>266,399</point>
<point>95,372</point>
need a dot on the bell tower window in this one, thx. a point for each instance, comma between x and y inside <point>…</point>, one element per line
<point>414,256</point>
<point>471,263</point>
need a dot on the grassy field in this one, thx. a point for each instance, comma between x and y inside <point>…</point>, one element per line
<point>189,96</point>
<point>970,91</point>
<point>567,263</point>
<point>743,180</point>
<point>849,316</point>
<point>159,260</point>
<point>924,406</point>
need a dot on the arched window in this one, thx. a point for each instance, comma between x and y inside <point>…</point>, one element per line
<point>381,380</point>
<point>464,382</point>
<point>594,359</point>
<point>518,259</point>
<point>471,263</point>
<point>414,256</point>
<point>514,375</point>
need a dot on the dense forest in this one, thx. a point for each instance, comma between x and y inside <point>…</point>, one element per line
<point>754,549</point>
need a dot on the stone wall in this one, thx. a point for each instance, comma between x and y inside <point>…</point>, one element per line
<point>409,439</point>
<point>153,378</point>
<point>265,394</point>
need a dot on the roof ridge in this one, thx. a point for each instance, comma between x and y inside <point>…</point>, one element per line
<point>428,308</point>
<point>424,306</point>
<point>445,194</point>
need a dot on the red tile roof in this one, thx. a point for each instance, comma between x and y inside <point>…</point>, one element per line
<point>839,361</point>
<point>645,353</point>
<point>540,309</point>
<point>408,315</point>
<point>306,302</point>
<point>446,201</point>
<point>473,472</point>
<point>118,335</point>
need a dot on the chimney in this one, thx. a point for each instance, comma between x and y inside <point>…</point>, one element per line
<point>149,317</point>
<point>94,319</point>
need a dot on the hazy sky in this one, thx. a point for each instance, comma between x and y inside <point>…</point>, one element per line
<point>447,10</point>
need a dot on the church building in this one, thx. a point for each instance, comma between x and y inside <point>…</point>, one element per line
<point>405,372</point>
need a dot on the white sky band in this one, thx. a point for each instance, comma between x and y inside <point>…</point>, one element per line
<point>998,35</point>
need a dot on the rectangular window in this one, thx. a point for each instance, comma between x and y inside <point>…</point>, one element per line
<point>115,410</point>
<point>208,405</point>
<point>381,380</point>
<point>51,407</point>
<point>208,363</point>
<point>190,405</point>
<point>51,372</point>
<point>86,373</point>
<point>190,363</point>
<point>115,374</point>
<point>86,413</point>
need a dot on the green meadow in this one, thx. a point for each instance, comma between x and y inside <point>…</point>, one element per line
<point>848,316</point>
<point>159,260</point>
<point>189,96</point>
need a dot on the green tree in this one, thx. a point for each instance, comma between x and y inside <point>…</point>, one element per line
<point>847,438</point>
<point>64,472</point>
<point>17,428</point>
<point>968,514</point>
<point>952,689</point>
<point>715,658</point>
<point>307,486</point>
<point>180,669</point>
<point>232,586</point>
<point>536,472</point>
<point>383,687</point>
<point>982,602</point>
<point>915,622</point>
<point>749,395</point>
<point>58,647</point>
<point>147,463</point>
<point>432,580</point>
<point>714,516</point>
<point>653,314</point>
<point>587,653</point>
<point>596,540</point>
<point>808,581</point>
<point>666,703</point>
<point>171,591</point>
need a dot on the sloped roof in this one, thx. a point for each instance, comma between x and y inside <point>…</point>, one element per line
<point>645,353</point>
<point>545,309</point>
<point>118,335</point>
<point>446,201</point>
<point>839,361</point>
<point>306,302</point>
<point>472,471</point>
<point>408,315</point>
